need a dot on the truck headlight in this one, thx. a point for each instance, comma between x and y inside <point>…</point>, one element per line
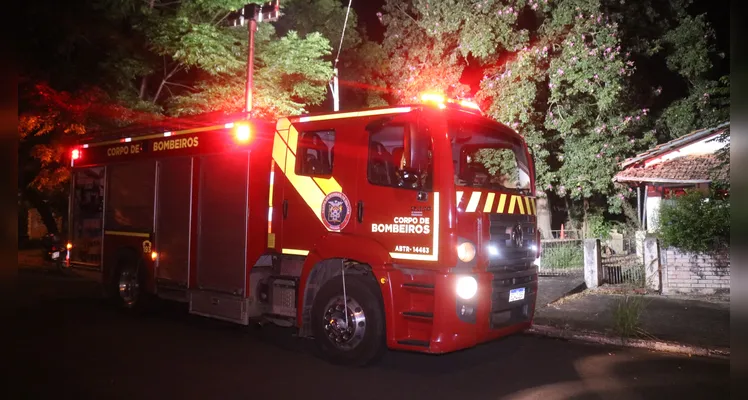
<point>466,251</point>
<point>467,287</point>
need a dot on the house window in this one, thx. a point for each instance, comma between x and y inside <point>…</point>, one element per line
<point>315,153</point>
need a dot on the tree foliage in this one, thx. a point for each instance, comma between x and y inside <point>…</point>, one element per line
<point>107,63</point>
<point>565,75</point>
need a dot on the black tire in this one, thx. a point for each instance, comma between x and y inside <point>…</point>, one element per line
<point>132,269</point>
<point>370,343</point>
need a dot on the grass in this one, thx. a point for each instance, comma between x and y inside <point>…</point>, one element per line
<point>627,317</point>
<point>562,256</point>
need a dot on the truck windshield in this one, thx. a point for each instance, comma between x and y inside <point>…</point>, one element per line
<point>484,157</point>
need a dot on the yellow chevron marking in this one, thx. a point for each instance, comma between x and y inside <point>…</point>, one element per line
<point>520,204</point>
<point>534,210</point>
<point>489,202</point>
<point>473,203</point>
<point>502,201</point>
<point>512,200</point>
<point>283,124</point>
<point>279,152</point>
<point>328,185</point>
<point>313,191</point>
<point>527,203</point>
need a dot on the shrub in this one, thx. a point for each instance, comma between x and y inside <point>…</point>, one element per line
<point>695,222</point>
<point>598,227</point>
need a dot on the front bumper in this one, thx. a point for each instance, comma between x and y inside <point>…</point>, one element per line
<point>457,324</point>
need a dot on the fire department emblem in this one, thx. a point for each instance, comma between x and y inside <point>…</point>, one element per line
<point>336,211</point>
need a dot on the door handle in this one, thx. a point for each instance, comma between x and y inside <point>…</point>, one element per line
<point>360,211</point>
<point>285,208</point>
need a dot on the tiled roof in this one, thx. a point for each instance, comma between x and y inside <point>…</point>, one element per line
<point>686,169</point>
<point>675,144</point>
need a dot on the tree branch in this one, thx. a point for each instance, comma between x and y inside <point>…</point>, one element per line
<point>163,82</point>
<point>180,85</point>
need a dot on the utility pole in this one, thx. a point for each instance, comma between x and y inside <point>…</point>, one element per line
<point>252,27</point>
<point>251,14</point>
<point>335,90</point>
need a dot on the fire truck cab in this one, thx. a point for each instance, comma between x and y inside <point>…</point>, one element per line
<point>409,227</point>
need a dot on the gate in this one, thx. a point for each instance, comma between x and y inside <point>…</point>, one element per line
<point>623,262</point>
<point>561,257</point>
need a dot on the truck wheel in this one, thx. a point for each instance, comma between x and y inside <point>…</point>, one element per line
<point>362,340</point>
<point>129,281</point>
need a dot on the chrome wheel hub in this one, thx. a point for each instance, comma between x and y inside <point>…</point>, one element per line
<point>342,334</point>
<point>128,286</point>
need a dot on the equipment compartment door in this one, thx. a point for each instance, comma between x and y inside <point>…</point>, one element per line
<point>173,194</point>
<point>222,224</point>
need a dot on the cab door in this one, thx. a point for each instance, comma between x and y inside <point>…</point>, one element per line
<point>319,166</point>
<point>398,206</point>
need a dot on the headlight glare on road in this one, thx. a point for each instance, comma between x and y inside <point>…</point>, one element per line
<point>467,287</point>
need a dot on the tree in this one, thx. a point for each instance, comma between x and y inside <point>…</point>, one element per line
<point>563,74</point>
<point>108,63</point>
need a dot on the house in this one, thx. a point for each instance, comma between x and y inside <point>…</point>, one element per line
<point>688,162</point>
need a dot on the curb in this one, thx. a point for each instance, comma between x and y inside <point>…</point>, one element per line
<point>656,345</point>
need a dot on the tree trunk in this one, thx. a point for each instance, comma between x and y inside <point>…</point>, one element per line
<point>544,217</point>
<point>44,210</point>
<point>585,225</point>
<point>142,87</point>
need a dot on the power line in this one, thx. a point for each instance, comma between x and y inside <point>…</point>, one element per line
<point>342,34</point>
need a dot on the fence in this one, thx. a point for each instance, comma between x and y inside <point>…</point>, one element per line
<point>561,257</point>
<point>623,261</point>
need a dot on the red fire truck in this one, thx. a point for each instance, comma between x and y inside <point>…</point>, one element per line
<point>409,227</point>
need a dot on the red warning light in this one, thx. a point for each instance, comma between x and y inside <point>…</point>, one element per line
<point>76,154</point>
<point>242,132</point>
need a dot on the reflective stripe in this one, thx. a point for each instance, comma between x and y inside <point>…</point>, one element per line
<point>502,202</point>
<point>529,209</point>
<point>534,210</point>
<point>473,203</point>
<point>394,110</point>
<point>520,205</point>
<point>459,198</point>
<point>295,252</point>
<point>512,201</point>
<point>435,232</point>
<point>131,234</point>
<point>489,202</point>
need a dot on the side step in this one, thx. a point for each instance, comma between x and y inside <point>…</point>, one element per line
<point>173,293</point>
<point>223,306</point>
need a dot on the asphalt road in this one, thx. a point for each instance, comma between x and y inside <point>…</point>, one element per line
<point>70,344</point>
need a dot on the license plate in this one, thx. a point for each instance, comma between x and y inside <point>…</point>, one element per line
<point>516,294</point>
<point>55,255</point>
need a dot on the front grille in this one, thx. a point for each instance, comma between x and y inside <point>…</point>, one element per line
<point>505,256</point>
<point>506,313</point>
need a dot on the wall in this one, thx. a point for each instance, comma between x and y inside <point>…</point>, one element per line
<point>686,273</point>
<point>35,226</point>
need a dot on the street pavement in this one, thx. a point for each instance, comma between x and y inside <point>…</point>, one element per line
<point>71,344</point>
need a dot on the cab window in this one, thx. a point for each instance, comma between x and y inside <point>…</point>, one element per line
<point>386,161</point>
<point>315,153</point>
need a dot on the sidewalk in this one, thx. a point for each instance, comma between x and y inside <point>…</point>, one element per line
<point>688,325</point>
